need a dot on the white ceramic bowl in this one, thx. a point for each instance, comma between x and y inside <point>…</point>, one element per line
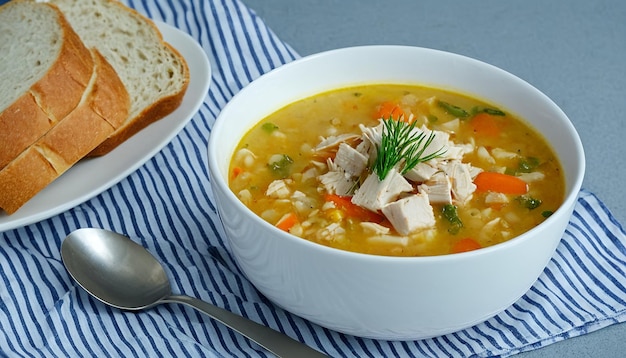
<point>393,298</point>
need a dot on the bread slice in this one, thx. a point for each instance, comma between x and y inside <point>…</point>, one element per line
<point>103,108</point>
<point>154,73</point>
<point>44,70</point>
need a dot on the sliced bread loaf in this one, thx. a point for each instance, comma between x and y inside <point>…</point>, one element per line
<point>103,107</point>
<point>44,71</point>
<point>154,73</point>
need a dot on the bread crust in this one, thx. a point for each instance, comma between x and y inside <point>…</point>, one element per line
<point>149,115</point>
<point>51,98</point>
<point>69,141</point>
<point>160,107</point>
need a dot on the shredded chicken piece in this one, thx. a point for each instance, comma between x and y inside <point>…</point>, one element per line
<point>350,160</point>
<point>438,188</point>
<point>374,193</point>
<point>389,239</point>
<point>410,213</point>
<point>462,185</point>
<point>496,198</point>
<point>500,153</point>
<point>278,189</point>
<point>451,126</point>
<point>331,232</point>
<point>421,172</point>
<point>532,177</point>
<point>334,141</point>
<point>336,180</point>
<point>374,228</point>
<point>484,155</point>
<point>373,134</point>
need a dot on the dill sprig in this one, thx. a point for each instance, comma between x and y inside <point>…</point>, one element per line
<point>400,142</point>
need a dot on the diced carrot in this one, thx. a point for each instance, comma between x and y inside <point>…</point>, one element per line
<point>288,221</point>
<point>389,109</point>
<point>236,172</point>
<point>486,125</point>
<point>344,203</point>
<point>500,183</point>
<point>464,245</point>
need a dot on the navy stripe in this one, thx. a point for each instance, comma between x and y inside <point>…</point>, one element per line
<point>519,321</point>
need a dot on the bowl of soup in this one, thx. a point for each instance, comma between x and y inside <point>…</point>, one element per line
<point>393,192</point>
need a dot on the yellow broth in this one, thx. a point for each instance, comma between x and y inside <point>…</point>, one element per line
<point>291,134</point>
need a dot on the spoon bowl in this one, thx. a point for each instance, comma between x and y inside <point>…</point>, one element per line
<point>114,269</point>
<point>123,274</point>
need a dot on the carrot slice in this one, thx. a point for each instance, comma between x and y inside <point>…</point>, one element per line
<point>486,125</point>
<point>288,221</point>
<point>344,202</point>
<point>464,245</point>
<point>236,172</point>
<point>500,183</point>
<point>389,109</point>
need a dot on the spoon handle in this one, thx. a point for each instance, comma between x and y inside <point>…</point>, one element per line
<point>278,343</point>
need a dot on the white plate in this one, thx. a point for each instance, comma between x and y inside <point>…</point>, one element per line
<point>91,177</point>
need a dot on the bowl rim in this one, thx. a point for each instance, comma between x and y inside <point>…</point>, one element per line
<point>218,179</point>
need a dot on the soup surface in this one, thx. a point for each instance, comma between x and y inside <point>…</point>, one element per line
<point>397,170</point>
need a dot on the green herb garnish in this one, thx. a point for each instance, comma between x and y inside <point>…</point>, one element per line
<point>547,213</point>
<point>400,142</point>
<point>449,212</point>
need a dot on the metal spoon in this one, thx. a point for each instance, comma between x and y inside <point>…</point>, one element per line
<point>123,274</point>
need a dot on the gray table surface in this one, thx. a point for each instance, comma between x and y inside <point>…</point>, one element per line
<point>574,51</point>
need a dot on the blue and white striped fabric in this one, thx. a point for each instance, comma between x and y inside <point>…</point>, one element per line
<point>168,207</point>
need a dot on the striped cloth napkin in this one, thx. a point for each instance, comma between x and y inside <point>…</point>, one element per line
<point>168,207</point>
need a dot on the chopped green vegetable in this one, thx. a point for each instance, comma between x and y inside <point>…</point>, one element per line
<point>529,202</point>
<point>527,165</point>
<point>510,171</point>
<point>547,213</point>
<point>453,110</point>
<point>400,142</point>
<point>269,127</point>
<point>449,212</point>
<point>488,110</point>
<point>280,165</point>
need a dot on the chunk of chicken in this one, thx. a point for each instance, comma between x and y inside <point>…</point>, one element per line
<point>374,228</point>
<point>421,172</point>
<point>374,193</point>
<point>350,160</point>
<point>334,141</point>
<point>496,198</point>
<point>278,189</point>
<point>438,188</point>
<point>372,134</point>
<point>500,154</point>
<point>410,213</point>
<point>461,178</point>
<point>336,180</point>
<point>439,144</point>
<point>332,232</point>
<point>532,177</point>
